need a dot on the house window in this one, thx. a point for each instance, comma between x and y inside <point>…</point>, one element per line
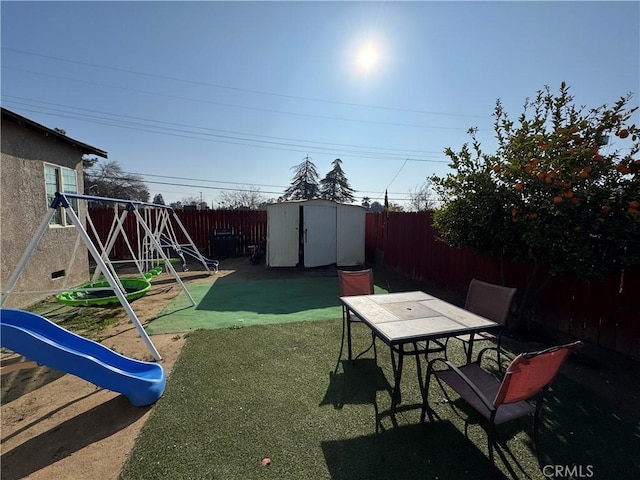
<point>60,179</point>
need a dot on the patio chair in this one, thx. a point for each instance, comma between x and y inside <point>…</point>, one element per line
<point>358,282</point>
<point>527,377</point>
<point>489,301</point>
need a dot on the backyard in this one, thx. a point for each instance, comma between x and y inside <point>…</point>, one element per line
<point>256,379</point>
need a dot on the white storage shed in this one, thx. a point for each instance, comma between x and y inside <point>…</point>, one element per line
<point>315,233</point>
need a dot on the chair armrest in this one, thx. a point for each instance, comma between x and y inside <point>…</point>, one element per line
<point>431,362</point>
<point>487,403</point>
<point>502,351</point>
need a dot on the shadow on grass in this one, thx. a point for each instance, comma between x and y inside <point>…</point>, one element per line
<point>357,384</point>
<point>281,296</point>
<point>69,437</point>
<point>579,428</point>
<point>227,303</point>
<point>429,451</point>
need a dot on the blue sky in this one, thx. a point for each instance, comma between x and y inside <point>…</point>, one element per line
<point>221,95</point>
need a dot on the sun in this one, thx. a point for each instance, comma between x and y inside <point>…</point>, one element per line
<point>368,57</point>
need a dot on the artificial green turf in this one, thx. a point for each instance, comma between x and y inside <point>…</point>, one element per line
<point>239,395</point>
<point>231,303</point>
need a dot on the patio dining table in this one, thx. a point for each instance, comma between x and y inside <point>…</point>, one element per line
<point>405,320</point>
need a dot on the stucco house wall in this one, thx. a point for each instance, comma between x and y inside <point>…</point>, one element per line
<point>59,261</point>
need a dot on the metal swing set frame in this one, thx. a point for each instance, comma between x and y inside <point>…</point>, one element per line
<point>150,250</point>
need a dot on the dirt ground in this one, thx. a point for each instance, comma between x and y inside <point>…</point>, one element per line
<point>65,428</point>
<point>59,426</point>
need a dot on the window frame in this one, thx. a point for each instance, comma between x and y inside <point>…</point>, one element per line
<point>66,181</point>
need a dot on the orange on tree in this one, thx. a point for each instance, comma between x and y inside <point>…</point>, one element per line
<point>622,168</point>
<point>622,133</point>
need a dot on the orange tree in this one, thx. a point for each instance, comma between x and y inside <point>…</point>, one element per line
<point>555,192</point>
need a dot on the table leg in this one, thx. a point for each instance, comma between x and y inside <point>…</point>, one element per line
<point>470,348</point>
<point>348,320</point>
<point>396,397</point>
<point>419,364</point>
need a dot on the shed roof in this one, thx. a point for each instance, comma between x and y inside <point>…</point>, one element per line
<point>313,201</point>
<point>24,121</point>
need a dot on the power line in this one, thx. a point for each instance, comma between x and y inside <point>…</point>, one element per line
<point>43,104</point>
<point>227,182</point>
<point>209,187</point>
<point>195,82</point>
<point>206,137</point>
<point>199,100</point>
<point>395,176</point>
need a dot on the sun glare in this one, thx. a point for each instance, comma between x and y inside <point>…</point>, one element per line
<point>368,57</point>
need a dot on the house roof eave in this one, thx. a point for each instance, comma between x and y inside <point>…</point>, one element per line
<point>84,147</point>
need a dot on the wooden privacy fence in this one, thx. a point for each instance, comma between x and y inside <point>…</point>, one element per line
<point>249,226</point>
<point>606,313</point>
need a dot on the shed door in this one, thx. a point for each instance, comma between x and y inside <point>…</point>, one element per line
<point>283,235</point>
<point>319,235</point>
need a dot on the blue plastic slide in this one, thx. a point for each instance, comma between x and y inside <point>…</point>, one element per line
<point>48,344</point>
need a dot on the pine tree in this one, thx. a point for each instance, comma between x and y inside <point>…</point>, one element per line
<point>305,182</point>
<point>158,200</point>
<point>335,186</point>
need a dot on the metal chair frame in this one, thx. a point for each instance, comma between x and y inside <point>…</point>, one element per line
<point>500,401</point>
